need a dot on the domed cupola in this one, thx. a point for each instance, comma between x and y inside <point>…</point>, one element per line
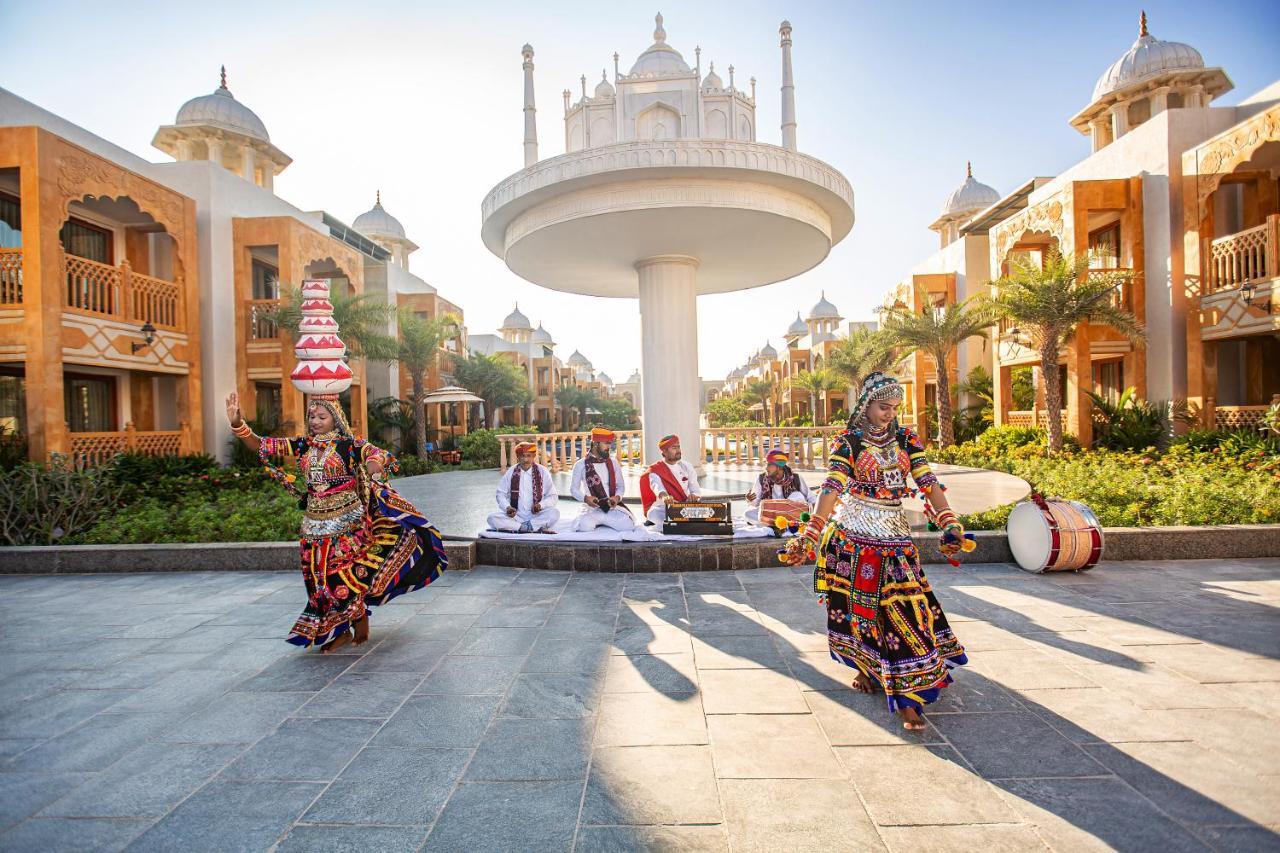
<point>517,320</point>
<point>661,59</point>
<point>635,378</point>
<point>1148,78</point>
<point>385,230</point>
<point>603,379</point>
<point>579,360</point>
<point>542,336</point>
<point>797,329</point>
<point>969,198</point>
<point>767,352</point>
<point>712,82</point>
<point>604,89</point>
<point>823,310</point>
<point>218,128</point>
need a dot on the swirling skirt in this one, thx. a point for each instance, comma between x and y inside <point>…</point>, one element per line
<point>883,618</point>
<point>394,550</point>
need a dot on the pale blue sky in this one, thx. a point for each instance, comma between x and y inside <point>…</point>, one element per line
<point>423,100</point>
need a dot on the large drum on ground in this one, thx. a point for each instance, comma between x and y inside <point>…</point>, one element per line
<point>771,508</point>
<point>1054,535</point>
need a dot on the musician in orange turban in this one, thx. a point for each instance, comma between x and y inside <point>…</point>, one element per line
<point>669,479</point>
<point>597,481</point>
<point>526,495</point>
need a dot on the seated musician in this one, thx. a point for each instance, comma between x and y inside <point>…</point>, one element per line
<point>598,483</point>
<point>526,496</point>
<point>670,479</point>
<point>778,482</point>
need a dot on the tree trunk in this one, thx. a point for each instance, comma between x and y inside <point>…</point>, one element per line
<point>420,419</point>
<point>946,432</point>
<point>1052,395</point>
<point>813,408</point>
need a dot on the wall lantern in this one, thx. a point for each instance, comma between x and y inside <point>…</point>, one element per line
<point>148,338</point>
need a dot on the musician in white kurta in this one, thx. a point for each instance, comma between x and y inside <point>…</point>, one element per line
<point>534,510</point>
<point>670,479</point>
<point>778,482</point>
<point>597,482</point>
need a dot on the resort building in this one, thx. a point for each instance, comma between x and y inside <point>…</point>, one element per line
<point>1182,195</point>
<point>134,295</point>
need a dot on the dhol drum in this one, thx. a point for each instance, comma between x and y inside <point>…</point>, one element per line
<point>771,508</point>
<point>1054,535</point>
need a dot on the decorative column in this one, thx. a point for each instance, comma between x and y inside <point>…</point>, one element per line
<point>1159,100</point>
<point>530,112</point>
<point>1119,120</point>
<point>669,350</point>
<point>321,372</point>
<point>788,90</point>
<point>1100,129</point>
<point>247,164</point>
<point>215,151</point>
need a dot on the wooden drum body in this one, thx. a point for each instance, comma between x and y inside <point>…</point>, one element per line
<point>1054,535</point>
<point>771,508</point>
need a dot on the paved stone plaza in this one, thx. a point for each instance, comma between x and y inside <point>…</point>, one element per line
<point>1134,707</point>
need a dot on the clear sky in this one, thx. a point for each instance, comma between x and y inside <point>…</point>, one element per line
<point>423,100</point>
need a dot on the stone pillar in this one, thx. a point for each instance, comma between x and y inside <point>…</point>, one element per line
<point>1002,378</point>
<point>184,149</point>
<point>1159,100</point>
<point>1195,97</point>
<point>1100,130</point>
<point>248,163</point>
<point>669,350</point>
<point>215,151</point>
<point>1079,383</point>
<point>1119,120</point>
<point>268,176</point>
<point>530,112</point>
<point>788,90</point>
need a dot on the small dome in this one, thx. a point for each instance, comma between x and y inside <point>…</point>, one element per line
<point>798,328</point>
<point>540,335</point>
<point>516,320</point>
<point>969,197</point>
<point>604,89</point>
<point>603,379</point>
<point>376,222</point>
<point>660,59</point>
<point>578,360</point>
<point>221,109</point>
<point>583,375</point>
<point>635,378</point>
<point>712,81</point>
<point>768,353</point>
<point>823,310</point>
<point>1147,57</point>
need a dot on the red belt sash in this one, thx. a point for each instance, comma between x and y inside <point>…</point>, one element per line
<point>669,481</point>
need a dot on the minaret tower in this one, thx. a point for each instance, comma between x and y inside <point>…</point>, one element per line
<point>788,90</point>
<point>530,112</point>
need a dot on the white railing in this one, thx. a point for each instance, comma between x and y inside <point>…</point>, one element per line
<point>1249,255</point>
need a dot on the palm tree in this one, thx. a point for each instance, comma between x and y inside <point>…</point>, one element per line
<point>761,389</point>
<point>362,320</point>
<point>1048,302</point>
<point>817,383</point>
<point>418,351</point>
<point>581,399</point>
<point>499,381</point>
<point>938,331</point>
<point>863,351</point>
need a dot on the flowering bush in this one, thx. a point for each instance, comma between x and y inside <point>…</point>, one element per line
<point>262,515</point>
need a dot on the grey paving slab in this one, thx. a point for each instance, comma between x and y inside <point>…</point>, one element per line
<point>989,838</point>
<point>642,839</point>
<point>226,816</point>
<point>27,793</point>
<point>94,744</point>
<point>145,783</point>
<point>318,838</point>
<point>391,786</point>
<point>581,655</point>
<point>651,718</point>
<point>361,694</point>
<point>434,720</point>
<point>298,673</point>
<point>58,712</point>
<point>821,815</point>
<point>1014,745</point>
<point>550,695</point>
<point>671,675</point>
<point>405,653</point>
<point>955,795</point>
<point>490,642</point>
<point>505,816</point>
<point>303,750</point>
<point>648,785</point>
<point>235,718</point>
<point>532,750</point>
<point>67,835</point>
<point>771,746</point>
<point>466,674</point>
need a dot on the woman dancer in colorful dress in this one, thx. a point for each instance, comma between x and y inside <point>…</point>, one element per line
<point>882,616</point>
<point>362,544</point>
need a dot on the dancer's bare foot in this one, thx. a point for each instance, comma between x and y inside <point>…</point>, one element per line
<point>862,684</point>
<point>362,630</point>
<point>911,719</point>
<point>336,643</point>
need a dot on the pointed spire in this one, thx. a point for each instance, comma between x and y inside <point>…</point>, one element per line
<point>659,34</point>
<point>377,198</point>
<point>222,84</point>
<point>788,89</point>
<point>697,60</point>
<point>968,168</point>
<point>584,87</point>
<point>616,75</point>
<point>731,86</point>
<point>530,110</point>
<point>1142,24</point>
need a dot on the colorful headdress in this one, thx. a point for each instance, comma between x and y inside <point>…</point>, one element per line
<point>602,435</point>
<point>330,403</point>
<point>526,447</point>
<point>877,386</point>
<point>778,457</point>
<point>668,440</point>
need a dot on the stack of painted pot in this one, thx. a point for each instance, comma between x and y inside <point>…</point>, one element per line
<point>321,372</point>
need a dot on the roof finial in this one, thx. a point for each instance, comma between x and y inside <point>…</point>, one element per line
<point>616,75</point>
<point>584,87</point>
<point>731,86</point>
<point>377,198</point>
<point>1142,24</point>
<point>222,84</point>
<point>659,34</point>
<point>968,168</point>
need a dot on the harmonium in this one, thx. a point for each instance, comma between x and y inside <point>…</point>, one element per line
<point>698,518</point>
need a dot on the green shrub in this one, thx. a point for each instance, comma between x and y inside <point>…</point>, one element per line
<point>412,466</point>
<point>480,446</point>
<point>992,519</point>
<point>260,515</point>
<point>48,504</point>
<point>1129,423</point>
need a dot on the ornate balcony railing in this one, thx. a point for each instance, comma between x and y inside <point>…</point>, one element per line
<point>1238,417</point>
<point>121,294</point>
<point>1249,255</point>
<point>1033,418</point>
<point>1122,296</point>
<point>258,325</point>
<point>10,276</point>
<point>97,448</point>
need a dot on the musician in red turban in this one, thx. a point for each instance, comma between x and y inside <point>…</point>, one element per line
<point>526,495</point>
<point>670,479</point>
<point>597,482</point>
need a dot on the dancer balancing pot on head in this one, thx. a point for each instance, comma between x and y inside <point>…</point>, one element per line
<point>526,496</point>
<point>882,616</point>
<point>362,544</point>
